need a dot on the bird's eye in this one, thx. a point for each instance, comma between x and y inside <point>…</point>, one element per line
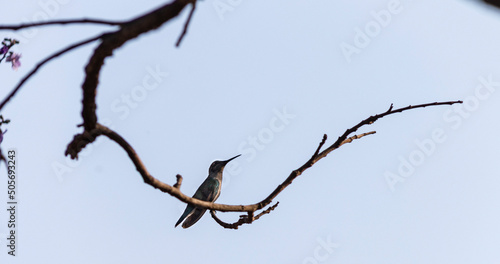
<point>212,167</point>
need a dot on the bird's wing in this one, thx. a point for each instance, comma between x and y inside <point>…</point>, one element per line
<point>209,191</point>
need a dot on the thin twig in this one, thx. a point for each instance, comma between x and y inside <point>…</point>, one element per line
<point>350,139</point>
<point>340,141</point>
<point>40,64</point>
<point>179,181</point>
<point>2,158</point>
<point>186,25</point>
<point>323,141</point>
<point>61,22</point>
<point>267,211</point>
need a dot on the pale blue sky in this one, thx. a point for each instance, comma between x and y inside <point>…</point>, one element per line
<point>231,80</point>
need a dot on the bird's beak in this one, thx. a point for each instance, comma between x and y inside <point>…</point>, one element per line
<point>226,161</point>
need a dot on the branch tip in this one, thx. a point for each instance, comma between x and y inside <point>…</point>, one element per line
<point>320,145</point>
<point>186,25</point>
<point>390,108</point>
<point>179,181</point>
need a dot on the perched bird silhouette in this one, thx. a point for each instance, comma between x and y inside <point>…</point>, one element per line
<point>209,191</point>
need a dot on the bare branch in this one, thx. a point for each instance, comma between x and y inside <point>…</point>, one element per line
<point>81,140</point>
<point>92,129</point>
<point>340,141</point>
<point>390,108</point>
<point>267,211</point>
<point>186,25</point>
<point>114,40</point>
<point>244,219</point>
<point>179,181</point>
<point>370,120</point>
<point>61,22</point>
<point>155,183</point>
<point>40,64</point>
<point>323,141</point>
<point>494,3</point>
<point>350,139</point>
<point>2,158</point>
<point>111,41</point>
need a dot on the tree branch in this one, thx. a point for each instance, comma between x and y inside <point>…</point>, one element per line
<point>40,64</point>
<point>81,140</point>
<point>186,25</point>
<point>179,181</point>
<point>114,40</point>
<point>244,219</point>
<point>110,41</point>
<point>495,3</point>
<point>2,158</point>
<point>92,129</point>
<point>61,22</point>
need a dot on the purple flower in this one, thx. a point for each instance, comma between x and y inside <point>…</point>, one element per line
<point>14,58</point>
<point>4,49</point>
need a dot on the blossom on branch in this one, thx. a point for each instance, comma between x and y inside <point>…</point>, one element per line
<point>10,56</point>
<point>4,49</point>
<point>14,58</point>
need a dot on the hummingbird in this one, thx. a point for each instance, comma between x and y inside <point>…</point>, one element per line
<point>208,191</point>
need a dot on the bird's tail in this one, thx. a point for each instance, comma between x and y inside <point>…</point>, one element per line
<point>194,217</point>
<point>189,210</point>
